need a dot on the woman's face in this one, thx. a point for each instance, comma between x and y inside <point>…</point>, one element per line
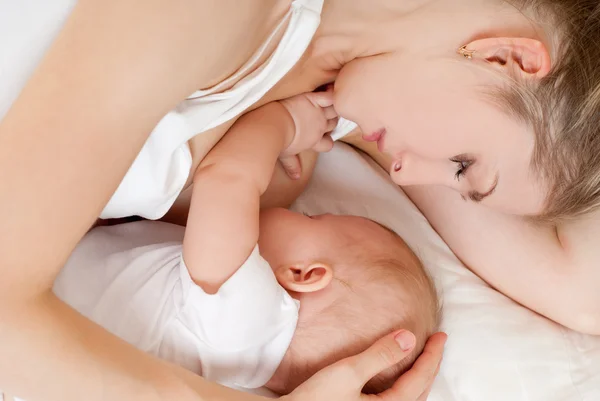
<point>433,118</point>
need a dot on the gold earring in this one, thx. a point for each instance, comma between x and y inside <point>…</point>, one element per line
<point>466,53</point>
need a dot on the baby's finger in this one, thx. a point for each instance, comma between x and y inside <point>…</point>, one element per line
<point>413,384</point>
<point>331,124</point>
<point>321,99</point>
<point>324,145</point>
<point>292,166</point>
<point>330,112</point>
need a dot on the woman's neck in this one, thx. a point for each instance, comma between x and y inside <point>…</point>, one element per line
<point>353,29</point>
<point>356,28</point>
<point>349,29</point>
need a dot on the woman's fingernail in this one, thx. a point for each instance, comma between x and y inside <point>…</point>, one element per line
<point>406,340</point>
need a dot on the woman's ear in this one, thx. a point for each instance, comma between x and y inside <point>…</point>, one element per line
<point>521,58</point>
<point>309,278</point>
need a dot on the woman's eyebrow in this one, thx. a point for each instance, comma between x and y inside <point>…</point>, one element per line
<point>477,196</point>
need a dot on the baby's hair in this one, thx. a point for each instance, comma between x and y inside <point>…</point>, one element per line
<point>564,107</point>
<point>423,322</point>
<point>387,291</point>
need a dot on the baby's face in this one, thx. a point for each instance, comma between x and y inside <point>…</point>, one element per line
<point>288,238</point>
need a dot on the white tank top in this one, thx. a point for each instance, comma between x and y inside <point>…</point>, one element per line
<point>162,168</point>
<point>159,173</point>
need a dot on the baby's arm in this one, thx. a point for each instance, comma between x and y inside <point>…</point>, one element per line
<point>281,192</point>
<point>222,227</point>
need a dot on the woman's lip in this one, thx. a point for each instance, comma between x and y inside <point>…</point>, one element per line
<point>374,136</point>
<point>377,136</point>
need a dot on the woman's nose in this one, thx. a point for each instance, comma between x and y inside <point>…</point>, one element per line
<point>412,170</point>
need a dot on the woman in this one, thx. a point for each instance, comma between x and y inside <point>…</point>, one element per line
<point>500,150</point>
<point>115,70</point>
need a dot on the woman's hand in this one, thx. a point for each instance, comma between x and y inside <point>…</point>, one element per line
<point>345,379</point>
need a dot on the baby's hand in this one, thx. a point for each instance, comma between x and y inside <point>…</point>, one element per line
<point>314,117</point>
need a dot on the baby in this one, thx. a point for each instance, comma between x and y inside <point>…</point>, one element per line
<point>348,281</point>
<point>321,288</point>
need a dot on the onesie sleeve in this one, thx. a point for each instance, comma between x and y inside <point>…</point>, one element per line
<point>245,329</point>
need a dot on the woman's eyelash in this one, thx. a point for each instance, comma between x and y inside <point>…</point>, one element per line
<point>463,166</point>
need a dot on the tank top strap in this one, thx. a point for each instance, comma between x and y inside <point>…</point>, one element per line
<point>312,5</point>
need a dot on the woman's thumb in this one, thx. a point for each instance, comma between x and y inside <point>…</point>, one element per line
<point>385,353</point>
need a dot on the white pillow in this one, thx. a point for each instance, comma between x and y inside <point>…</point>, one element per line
<point>497,350</point>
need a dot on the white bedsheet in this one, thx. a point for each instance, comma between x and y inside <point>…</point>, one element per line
<point>497,350</point>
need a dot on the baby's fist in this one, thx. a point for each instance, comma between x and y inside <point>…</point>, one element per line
<point>314,117</point>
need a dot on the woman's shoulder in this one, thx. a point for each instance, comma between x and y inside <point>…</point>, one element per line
<point>27,29</point>
<point>229,30</point>
<point>211,39</point>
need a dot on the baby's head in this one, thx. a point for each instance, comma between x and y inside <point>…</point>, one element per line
<point>356,282</point>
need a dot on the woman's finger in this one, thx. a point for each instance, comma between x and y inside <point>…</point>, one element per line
<point>425,395</point>
<point>413,384</point>
<point>385,353</point>
<point>324,145</point>
<point>292,166</point>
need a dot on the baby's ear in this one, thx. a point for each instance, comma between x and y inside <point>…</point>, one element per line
<point>310,278</point>
<point>521,58</point>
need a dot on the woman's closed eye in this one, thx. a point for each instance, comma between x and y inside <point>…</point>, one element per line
<point>463,164</point>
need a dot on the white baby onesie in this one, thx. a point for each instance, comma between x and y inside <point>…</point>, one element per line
<point>131,280</point>
<point>162,168</point>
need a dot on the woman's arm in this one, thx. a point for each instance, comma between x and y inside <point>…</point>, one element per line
<point>551,271</point>
<point>113,72</point>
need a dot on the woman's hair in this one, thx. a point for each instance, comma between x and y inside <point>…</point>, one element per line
<point>564,107</point>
